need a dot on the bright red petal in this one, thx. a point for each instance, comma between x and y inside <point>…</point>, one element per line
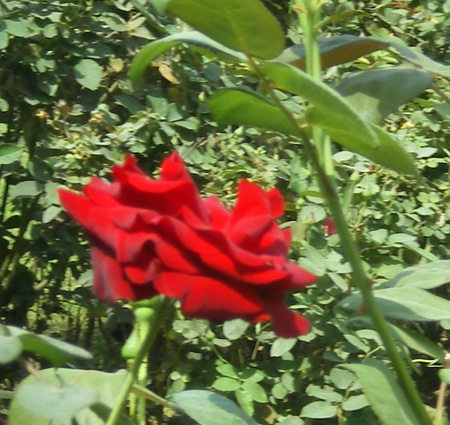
<point>209,298</point>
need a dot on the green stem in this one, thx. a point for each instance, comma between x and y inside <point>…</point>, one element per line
<point>146,344</point>
<point>309,13</point>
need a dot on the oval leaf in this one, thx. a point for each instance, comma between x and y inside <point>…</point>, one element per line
<point>59,404</point>
<point>412,304</point>
<point>319,410</point>
<point>234,329</point>
<point>417,342</point>
<point>9,153</point>
<point>106,385</point>
<point>208,408</point>
<point>331,112</point>
<point>390,153</point>
<point>425,276</point>
<point>10,348</point>
<point>377,93</point>
<point>246,26</point>
<point>88,73</point>
<point>246,107</point>
<point>383,393</point>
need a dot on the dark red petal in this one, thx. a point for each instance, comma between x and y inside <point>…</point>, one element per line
<point>141,274</point>
<point>109,282</point>
<point>300,277</point>
<point>209,298</point>
<point>285,323</point>
<point>219,215</point>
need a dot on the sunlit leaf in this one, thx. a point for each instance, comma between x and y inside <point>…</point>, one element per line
<point>417,342</point>
<point>413,304</point>
<point>9,153</point>
<point>246,26</point>
<point>331,112</point>
<point>390,154</point>
<point>88,73</point>
<point>246,107</point>
<point>425,276</point>
<point>383,393</point>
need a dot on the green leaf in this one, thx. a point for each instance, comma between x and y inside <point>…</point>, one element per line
<point>390,153</point>
<point>57,404</point>
<point>281,346</point>
<point>383,393</point>
<point>246,107</point>
<point>319,410</point>
<point>424,276</point>
<point>256,391</point>
<point>4,39</point>
<point>58,352</point>
<point>417,342</point>
<point>208,408</point>
<point>159,5</point>
<point>412,304</point>
<point>377,93</point>
<point>17,28</point>
<point>106,385</point>
<point>88,73</point>
<point>145,57</point>
<point>341,378</point>
<point>10,348</point>
<point>245,401</point>
<point>355,402</point>
<point>331,112</point>
<point>334,50</point>
<point>244,26</point>
<point>227,370</point>
<point>27,189</point>
<point>327,393</point>
<point>9,153</point>
<point>225,384</point>
<point>234,329</point>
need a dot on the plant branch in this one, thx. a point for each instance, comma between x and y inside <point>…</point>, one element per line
<point>159,315</point>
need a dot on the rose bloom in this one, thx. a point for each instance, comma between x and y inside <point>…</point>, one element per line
<point>329,228</point>
<point>158,236</point>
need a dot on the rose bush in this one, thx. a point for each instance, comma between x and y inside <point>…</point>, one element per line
<point>152,237</point>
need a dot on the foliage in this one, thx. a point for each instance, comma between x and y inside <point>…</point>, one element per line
<point>68,111</point>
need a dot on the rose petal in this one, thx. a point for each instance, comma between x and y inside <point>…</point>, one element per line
<point>209,298</point>
<point>285,323</point>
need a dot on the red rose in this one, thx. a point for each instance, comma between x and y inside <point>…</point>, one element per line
<point>329,228</point>
<point>153,237</point>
